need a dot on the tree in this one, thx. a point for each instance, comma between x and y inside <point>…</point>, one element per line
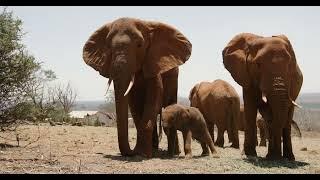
<point>66,96</point>
<point>40,95</point>
<point>109,105</point>
<point>16,69</point>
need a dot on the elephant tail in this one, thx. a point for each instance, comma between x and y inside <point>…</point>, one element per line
<point>296,127</point>
<point>160,126</point>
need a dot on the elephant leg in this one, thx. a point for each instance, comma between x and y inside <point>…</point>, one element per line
<point>230,137</point>
<point>274,153</point>
<point>262,137</point>
<point>187,137</point>
<point>155,137</point>
<point>205,149</point>
<point>171,141</point>
<point>136,112</point>
<point>250,109</point>
<point>153,101</point>
<point>235,143</point>
<point>220,138</point>
<point>287,144</point>
<point>177,150</point>
<point>211,131</point>
<point>147,125</point>
<point>270,144</point>
<point>209,143</point>
<point>233,136</point>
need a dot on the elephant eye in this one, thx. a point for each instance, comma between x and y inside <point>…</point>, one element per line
<point>139,44</point>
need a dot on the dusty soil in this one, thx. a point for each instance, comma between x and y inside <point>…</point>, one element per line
<point>88,149</point>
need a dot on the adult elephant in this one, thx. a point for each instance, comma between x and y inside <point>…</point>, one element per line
<point>219,103</point>
<point>142,59</point>
<point>268,72</point>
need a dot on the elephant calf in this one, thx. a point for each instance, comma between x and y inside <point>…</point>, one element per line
<point>191,123</point>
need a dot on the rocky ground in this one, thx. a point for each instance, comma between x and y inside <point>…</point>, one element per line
<point>88,149</point>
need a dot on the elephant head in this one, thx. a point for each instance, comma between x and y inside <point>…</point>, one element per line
<point>267,63</point>
<point>126,46</point>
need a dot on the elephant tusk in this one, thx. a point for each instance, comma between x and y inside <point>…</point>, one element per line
<point>264,97</point>
<point>294,103</point>
<point>109,83</point>
<point>130,86</point>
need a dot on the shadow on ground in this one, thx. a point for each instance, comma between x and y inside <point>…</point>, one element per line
<point>119,157</point>
<point>5,146</point>
<point>161,154</point>
<point>264,163</point>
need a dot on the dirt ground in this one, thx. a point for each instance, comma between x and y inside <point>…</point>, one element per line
<point>88,149</point>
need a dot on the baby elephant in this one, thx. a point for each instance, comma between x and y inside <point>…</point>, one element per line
<point>191,123</point>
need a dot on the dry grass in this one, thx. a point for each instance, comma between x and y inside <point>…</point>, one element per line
<point>87,149</point>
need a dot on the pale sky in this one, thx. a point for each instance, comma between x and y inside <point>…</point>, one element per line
<point>56,35</point>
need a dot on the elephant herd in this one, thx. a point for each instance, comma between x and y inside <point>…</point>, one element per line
<point>142,59</point>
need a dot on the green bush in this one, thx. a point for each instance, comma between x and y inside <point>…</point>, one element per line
<point>17,67</point>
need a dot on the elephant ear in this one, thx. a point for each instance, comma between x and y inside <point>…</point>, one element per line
<point>168,49</point>
<point>96,52</point>
<point>290,48</point>
<point>193,91</point>
<point>235,57</point>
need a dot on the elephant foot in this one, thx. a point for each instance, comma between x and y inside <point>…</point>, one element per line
<point>128,154</point>
<point>140,152</point>
<point>219,144</point>
<point>236,146</point>
<point>170,155</point>
<point>215,155</point>
<point>144,155</point>
<point>188,156</point>
<point>273,157</point>
<point>177,151</point>
<point>137,150</point>
<point>289,156</point>
<point>250,152</point>
<point>205,154</point>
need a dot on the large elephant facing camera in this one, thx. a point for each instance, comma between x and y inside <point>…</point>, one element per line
<point>142,59</point>
<point>268,72</point>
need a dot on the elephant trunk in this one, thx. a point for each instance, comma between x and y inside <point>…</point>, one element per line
<point>122,119</point>
<point>279,101</point>
<point>121,80</point>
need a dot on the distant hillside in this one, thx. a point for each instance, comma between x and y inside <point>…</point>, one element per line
<point>97,105</point>
<point>309,97</point>
<point>183,101</point>
<point>88,105</point>
<point>307,100</point>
